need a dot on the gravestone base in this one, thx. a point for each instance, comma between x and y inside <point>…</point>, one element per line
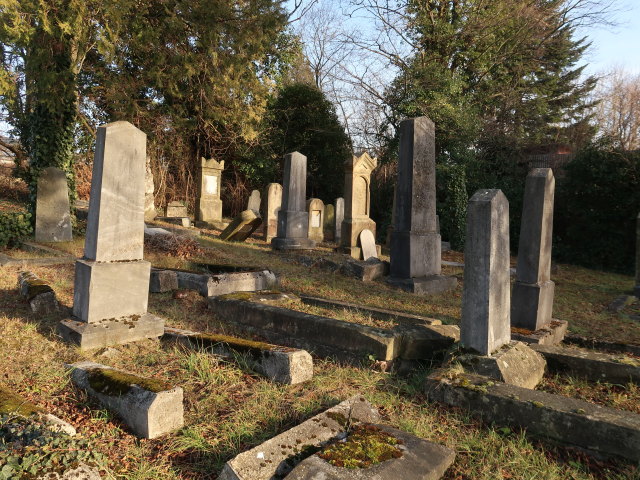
<point>531,304</point>
<point>429,285</point>
<point>279,243</point>
<point>551,334</point>
<point>111,331</point>
<point>514,363</point>
<point>356,252</point>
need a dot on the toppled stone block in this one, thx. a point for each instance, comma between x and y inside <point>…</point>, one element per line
<point>41,297</point>
<point>551,334</point>
<point>163,281</point>
<point>149,407</point>
<point>417,459</point>
<point>280,364</point>
<point>276,457</point>
<point>241,227</point>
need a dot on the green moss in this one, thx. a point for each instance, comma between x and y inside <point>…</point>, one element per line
<point>538,404</point>
<point>37,287</point>
<point>115,383</point>
<point>244,296</point>
<point>11,403</point>
<point>255,348</point>
<point>366,445</point>
<point>338,417</point>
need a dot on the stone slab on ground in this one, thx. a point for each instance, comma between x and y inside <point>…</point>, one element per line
<point>241,227</point>
<point>148,413</point>
<point>280,364</point>
<point>39,295</point>
<point>430,285</point>
<point>276,457</point>
<point>551,334</point>
<point>514,363</point>
<point>111,331</point>
<point>420,460</point>
<point>603,345</point>
<point>595,366</point>
<point>570,421</point>
<point>377,313</point>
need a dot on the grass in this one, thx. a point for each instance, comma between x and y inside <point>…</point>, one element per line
<point>228,409</point>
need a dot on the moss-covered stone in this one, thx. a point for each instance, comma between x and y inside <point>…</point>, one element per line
<point>366,445</point>
<point>241,345</point>
<point>11,403</point>
<point>115,383</point>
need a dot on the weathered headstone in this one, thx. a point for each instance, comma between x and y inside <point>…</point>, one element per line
<point>270,209</point>
<point>149,199</point>
<point>415,243</point>
<point>357,192</point>
<point>254,202</point>
<point>315,207</point>
<point>175,209</point>
<point>241,227</point>
<point>209,202</point>
<point>329,221</point>
<point>485,325</point>
<point>532,299</point>
<point>112,267</point>
<point>637,289</point>
<point>293,219</point>
<point>368,244</point>
<point>339,219</point>
<point>53,219</point>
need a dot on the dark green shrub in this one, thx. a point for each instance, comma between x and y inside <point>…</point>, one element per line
<point>597,203</point>
<point>14,227</point>
<point>452,203</point>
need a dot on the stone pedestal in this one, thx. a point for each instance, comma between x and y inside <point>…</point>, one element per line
<point>293,219</point>
<point>209,202</point>
<point>112,281</point>
<point>485,323</point>
<point>271,207</point>
<point>532,298</point>
<point>53,219</point>
<point>415,242</point>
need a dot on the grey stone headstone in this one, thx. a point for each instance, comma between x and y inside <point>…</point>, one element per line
<point>270,208</point>
<point>485,324</point>
<point>368,245</point>
<point>115,226</point>
<point>532,299</point>
<point>149,205</point>
<point>53,219</point>
<point>176,209</point>
<point>339,217</point>
<point>254,202</point>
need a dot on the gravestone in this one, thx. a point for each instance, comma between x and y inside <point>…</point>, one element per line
<point>209,202</point>
<point>637,289</point>
<point>53,218</point>
<point>532,298</point>
<point>485,325</point>
<point>176,209</point>
<point>241,227</point>
<point>293,219</point>
<point>112,280</point>
<point>270,209</point>
<point>415,242</point>
<point>328,222</point>
<point>149,201</point>
<point>357,192</point>
<point>368,244</point>
<point>315,207</point>
<point>254,202</point>
<point>339,219</point>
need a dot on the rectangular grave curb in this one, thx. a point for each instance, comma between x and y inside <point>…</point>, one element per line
<point>280,364</point>
<point>603,345</point>
<point>278,455</point>
<point>593,365</point>
<point>148,414</point>
<point>569,421</point>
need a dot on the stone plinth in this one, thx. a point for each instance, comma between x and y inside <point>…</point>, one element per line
<point>339,218</point>
<point>315,208</point>
<point>53,219</point>
<point>357,193</point>
<point>532,298</point>
<point>293,219</point>
<point>209,202</point>
<point>270,209</point>
<point>241,227</point>
<point>485,323</point>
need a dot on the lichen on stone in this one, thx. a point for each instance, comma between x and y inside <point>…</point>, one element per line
<point>11,403</point>
<point>115,383</point>
<point>253,347</point>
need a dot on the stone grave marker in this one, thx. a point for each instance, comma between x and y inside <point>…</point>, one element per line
<point>415,243</point>
<point>315,207</point>
<point>357,192</point>
<point>532,298</point>
<point>339,219</point>
<point>209,202</point>
<point>368,244</point>
<point>112,280</point>
<point>293,219</point>
<point>53,219</point>
<point>149,200</point>
<point>254,202</point>
<point>175,209</point>
<point>241,227</point>
<point>270,209</point>
<point>329,222</point>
